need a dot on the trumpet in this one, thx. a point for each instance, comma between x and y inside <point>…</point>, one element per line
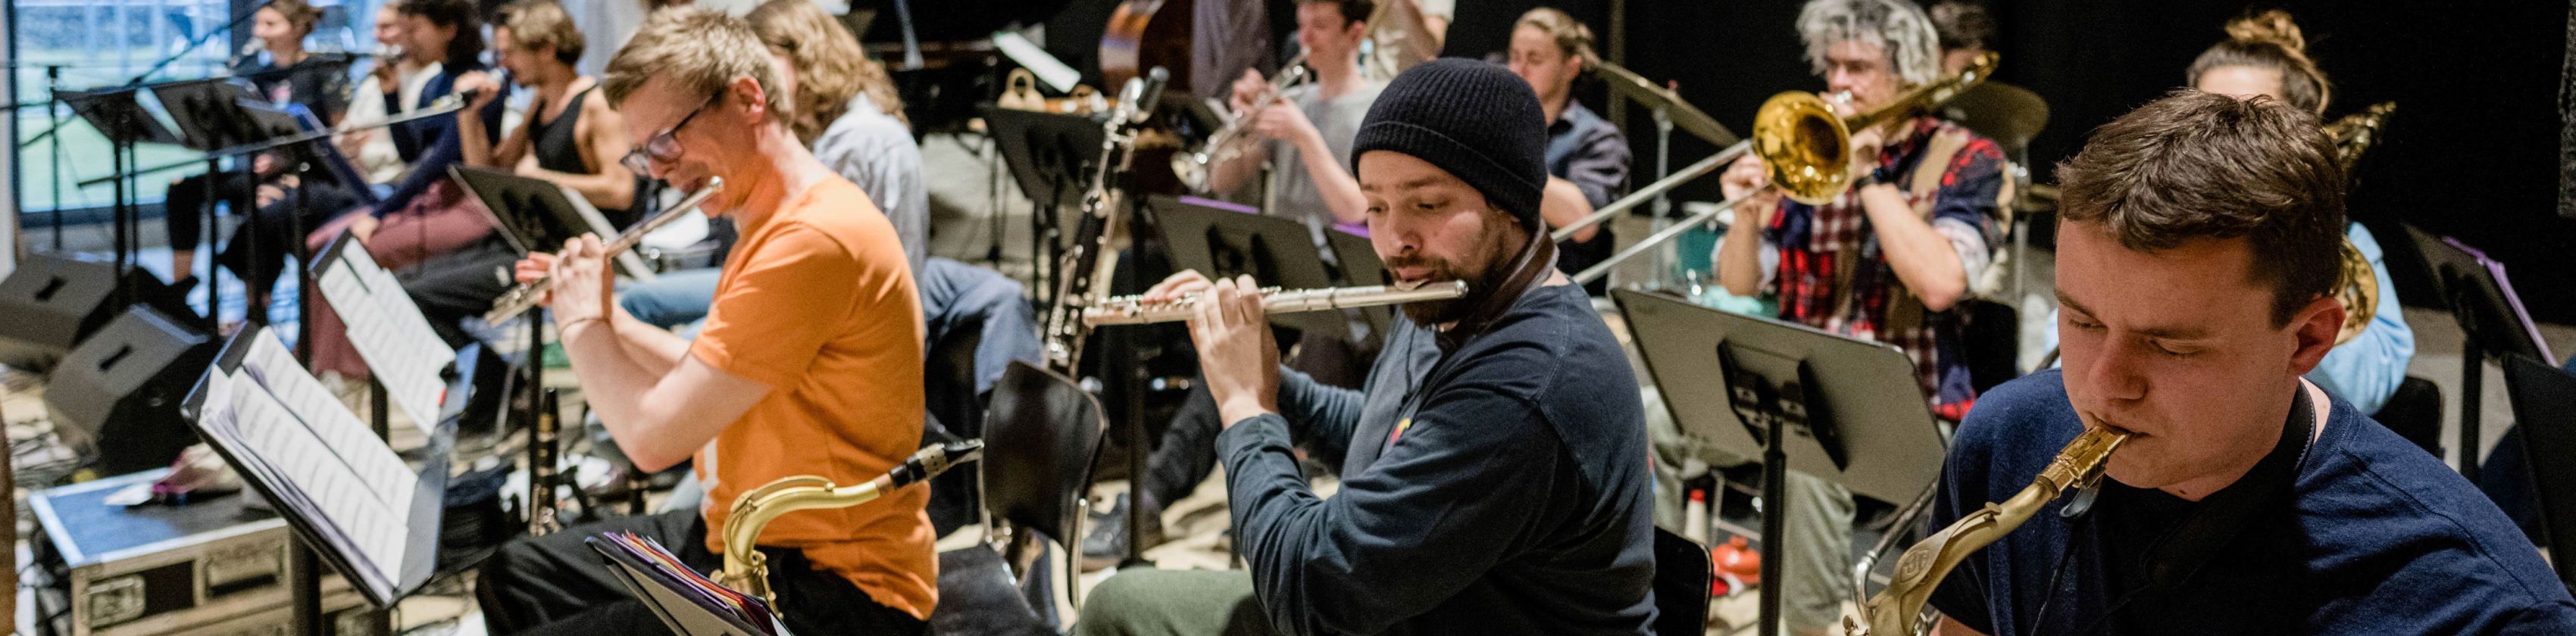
<point>1133,310</point>
<point>1229,141</point>
<point>1898,609</point>
<point>524,297</point>
<point>747,570</point>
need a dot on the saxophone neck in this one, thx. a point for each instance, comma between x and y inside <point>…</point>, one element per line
<point>1896,610</point>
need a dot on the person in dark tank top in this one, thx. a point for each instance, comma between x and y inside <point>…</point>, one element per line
<point>566,136</point>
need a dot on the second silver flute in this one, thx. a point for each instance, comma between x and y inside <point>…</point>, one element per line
<point>524,297</point>
<point>1133,310</point>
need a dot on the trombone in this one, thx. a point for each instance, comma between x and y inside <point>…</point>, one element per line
<point>1806,147</point>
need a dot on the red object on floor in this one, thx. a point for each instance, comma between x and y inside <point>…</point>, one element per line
<point>1737,565</point>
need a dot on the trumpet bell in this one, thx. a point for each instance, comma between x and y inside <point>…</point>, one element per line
<point>1805,146</point>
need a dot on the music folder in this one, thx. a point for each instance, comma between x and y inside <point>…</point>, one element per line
<point>390,333</point>
<point>536,215</point>
<point>344,492</point>
<point>686,601</point>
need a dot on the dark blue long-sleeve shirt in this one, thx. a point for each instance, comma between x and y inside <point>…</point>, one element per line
<point>1515,502</point>
<point>431,144</point>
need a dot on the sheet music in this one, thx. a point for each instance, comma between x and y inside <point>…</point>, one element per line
<point>294,430</point>
<point>390,333</point>
<point>340,431</point>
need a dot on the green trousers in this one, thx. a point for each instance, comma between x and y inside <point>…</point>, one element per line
<point>1146,602</point>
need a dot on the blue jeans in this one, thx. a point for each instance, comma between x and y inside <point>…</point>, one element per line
<point>673,299</point>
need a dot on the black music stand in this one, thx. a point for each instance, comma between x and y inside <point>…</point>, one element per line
<point>1052,156</point>
<point>1222,240</point>
<point>122,119</point>
<point>536,215</point>
<point>1361,267</point>
<point>2475,290</point>
<point>210,118</point>
<point>1849,407</point>
<point>331,533</point>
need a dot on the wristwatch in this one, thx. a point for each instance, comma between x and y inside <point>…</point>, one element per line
<point>1875,176</point>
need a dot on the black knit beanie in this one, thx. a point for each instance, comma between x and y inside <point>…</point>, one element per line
<point>1472,118</point>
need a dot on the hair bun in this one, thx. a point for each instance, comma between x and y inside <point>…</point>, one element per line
<point>2272,26</point>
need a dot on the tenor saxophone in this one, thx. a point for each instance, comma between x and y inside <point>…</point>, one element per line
<point>1898,609</point>
<point>747,570</point>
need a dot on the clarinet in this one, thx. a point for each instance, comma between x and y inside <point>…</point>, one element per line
<point>544,450</point>
<point>1083,276</point>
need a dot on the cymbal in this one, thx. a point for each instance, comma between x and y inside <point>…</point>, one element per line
<point>2010,115</point>
<point>1685,117</point>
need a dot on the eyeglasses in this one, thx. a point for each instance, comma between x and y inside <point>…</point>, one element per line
<point>663,147</point>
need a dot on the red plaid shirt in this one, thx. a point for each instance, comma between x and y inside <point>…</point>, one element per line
<point>1816,242</point>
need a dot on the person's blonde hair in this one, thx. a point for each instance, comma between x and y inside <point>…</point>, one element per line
<point>1571,37</point>
<point>536,24</point>
<point>699,50</point>
<point>830,65</point>
<point>2269,40</point>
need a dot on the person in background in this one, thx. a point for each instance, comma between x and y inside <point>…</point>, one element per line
<point>2266,55</point>
<point>566,137</point>
<point>1587,158</point>
<point>372,149</point>
<point>1308,128</point>
<point>1889,260</point>
<point>285,77</point>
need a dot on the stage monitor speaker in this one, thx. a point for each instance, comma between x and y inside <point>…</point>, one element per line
<point>119,391</point>
<point>53,302</point>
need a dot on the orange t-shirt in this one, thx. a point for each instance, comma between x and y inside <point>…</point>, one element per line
<point>818,303</point>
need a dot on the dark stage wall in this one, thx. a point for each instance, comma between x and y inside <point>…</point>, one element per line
<point>2472,150</point>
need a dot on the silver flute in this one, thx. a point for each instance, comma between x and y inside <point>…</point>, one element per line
<point>1133,310</point>
<point>524,297</point>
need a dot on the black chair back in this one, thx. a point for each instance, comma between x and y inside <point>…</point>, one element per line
<point>2544,411</point>
<point>1681,585</point>
<point>2415,413</point>
<point>1041,435</point>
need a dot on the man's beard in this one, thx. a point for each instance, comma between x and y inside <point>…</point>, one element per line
<point>1485,272</point>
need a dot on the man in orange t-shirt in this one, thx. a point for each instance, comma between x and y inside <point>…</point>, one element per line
<point>809,364</point>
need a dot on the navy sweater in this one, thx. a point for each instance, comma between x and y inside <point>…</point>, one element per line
<point>1516,502</point>
<point>2377,537</point>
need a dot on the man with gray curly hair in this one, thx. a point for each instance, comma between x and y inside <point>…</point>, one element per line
<point>1888,260</point>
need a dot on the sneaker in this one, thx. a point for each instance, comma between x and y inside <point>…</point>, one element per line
<point>1106,544</point>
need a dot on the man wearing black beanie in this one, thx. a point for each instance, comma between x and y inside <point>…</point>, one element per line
<point>1494,476</point>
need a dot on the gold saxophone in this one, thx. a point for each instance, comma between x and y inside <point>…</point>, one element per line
<point>1898,609</point>
<point>747,570</point>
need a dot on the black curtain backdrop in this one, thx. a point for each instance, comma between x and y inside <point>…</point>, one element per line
<point>2471,151</point>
